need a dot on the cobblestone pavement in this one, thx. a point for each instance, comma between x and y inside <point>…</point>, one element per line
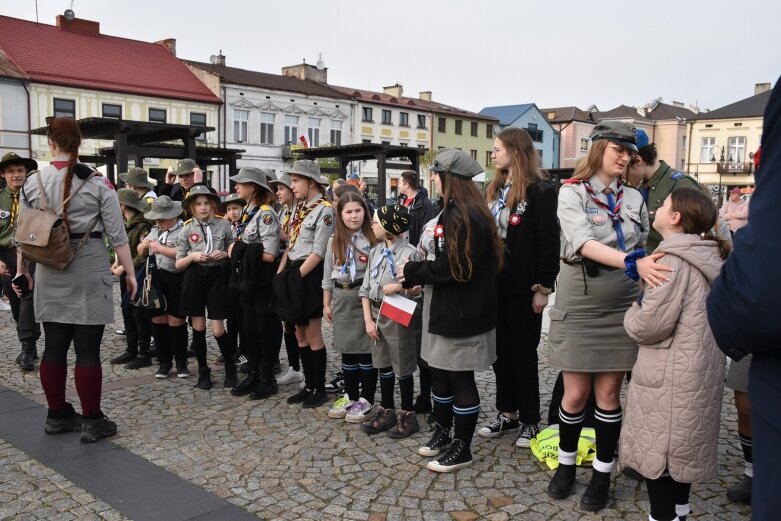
<point>282,462</point>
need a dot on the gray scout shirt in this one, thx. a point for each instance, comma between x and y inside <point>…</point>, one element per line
<point>379,269</point>
<point>214,234</point>
<point>426,245</point>
<point>582,219</point>
<point>262,228</point>
<point>501,212</point>
<point>353,270</point>
<point>314,231</point>
<point>167,238</point>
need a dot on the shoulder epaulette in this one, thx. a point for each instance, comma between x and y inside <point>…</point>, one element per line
<point>188,221</point>
<point>265,208</point>
<point>327,204</point>
<point>573,181</point>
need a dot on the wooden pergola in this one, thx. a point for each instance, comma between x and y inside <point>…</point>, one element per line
<point>142,139</point>
<point>345,154</point>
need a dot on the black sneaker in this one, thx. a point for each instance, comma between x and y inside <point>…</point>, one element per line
<point>595,497</point>
<point>264,390</point>
<point>529,431</point>
<point>498,426</point>
<point>336,385</point>
<point>459,455</point>
<point>740,492</point>
<point>124,358</point>
<point>96,429</point>
<point>316,399</point>
<point>66,420</point>
<point>204,379</point>
<point>439,441</point>
<point>300,396</point>
<point>231,378</point>
<point>139,362</point>
<point>561,483</point>
<point>181,370</point>
<point>163,371</point>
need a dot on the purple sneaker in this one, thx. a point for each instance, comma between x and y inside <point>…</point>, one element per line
<point>359,411</point>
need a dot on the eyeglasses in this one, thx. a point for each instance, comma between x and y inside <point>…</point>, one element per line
<point>622,150</point>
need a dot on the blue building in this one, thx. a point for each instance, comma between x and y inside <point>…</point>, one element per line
<point>528,117</point>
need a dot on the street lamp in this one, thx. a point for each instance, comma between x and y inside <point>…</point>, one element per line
<point>730,151</point>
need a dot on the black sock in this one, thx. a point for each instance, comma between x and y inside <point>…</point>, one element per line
<point>227,348</point>
<point>177,338</point>
<point>319,361</point>
<point>306,364</point>
<point>387,381</point>
<point>607,425</point>
<point>160,332</point>
<point>352,375</point>
<point>368,378</point>
<point>465,421</point>
<point>406,390</point>
<point>425,380</point>
<point>570,425</point>
<point>199,345</point>
<point>291,346</point>
<point>443,410</point>
<point>746,443</point>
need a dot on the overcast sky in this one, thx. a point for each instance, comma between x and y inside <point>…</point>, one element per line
<point>471,53</point>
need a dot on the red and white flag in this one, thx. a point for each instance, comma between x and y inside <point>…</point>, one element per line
<point>398,308</point>
<point>304,141</point>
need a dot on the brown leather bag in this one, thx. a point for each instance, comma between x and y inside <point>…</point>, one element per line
<point>42,235</point>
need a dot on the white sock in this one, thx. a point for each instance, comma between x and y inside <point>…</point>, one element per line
<point>749,470</point>
<point>650,518</point>
<point>567,458</point>
<point>601,466</point>
<point>682,510</point>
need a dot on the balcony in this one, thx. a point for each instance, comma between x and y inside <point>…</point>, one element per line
<point>734,168</point>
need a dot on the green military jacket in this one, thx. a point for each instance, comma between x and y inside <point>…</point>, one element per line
<point>662,183</point>
<point>137,228</point>
<point>7,228</point>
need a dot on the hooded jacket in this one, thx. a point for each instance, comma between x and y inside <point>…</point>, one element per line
<point>673,404</point>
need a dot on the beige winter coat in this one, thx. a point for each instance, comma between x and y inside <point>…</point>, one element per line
<point>673,404</point>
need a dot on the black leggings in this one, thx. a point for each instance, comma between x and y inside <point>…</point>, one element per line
<point>86,343</point>
<point>262,332</point>
<point>664,493</point>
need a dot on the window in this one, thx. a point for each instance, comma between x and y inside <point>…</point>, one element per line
<point>386,117</point>
<point>366,141</point>
<point>442,122</point>
<point>402,144</point>
<point>473,153</point>
<point>199,119</point>
<point>157,115</point>
<point>266,128</point>
<point>403,119</point>
<point>421,121</point>
<point>240,121</point>
<point>584,144</point>
<point>112,111</point>
<point>489,131</point>
<point>385,142</point>
<point>314,132</point>
<point>540,152</point>
<point>336,132</point>
<point>474,129</point>
<point>459,124</point>
<point>683,143</point>
<point>736,149</point>
<point>64,108</point>
<point>707,149</point>
<point>291,129</point>
<point>367,115</point>
<point>487,157</point>
<point>535,134</point>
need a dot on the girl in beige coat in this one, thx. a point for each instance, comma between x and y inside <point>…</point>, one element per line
<point>673,404</point>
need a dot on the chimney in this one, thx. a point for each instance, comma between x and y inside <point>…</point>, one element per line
<point>678,104</point>
<point>394,90</point>
<point>304,71</point>
<point>170,44</point>
<point>759,88</point>
<point>221,59</point>
<point>78,25</point>
<point>425,95</point>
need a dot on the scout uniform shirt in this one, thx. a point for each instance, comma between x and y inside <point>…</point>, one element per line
<point>585,215</point>
<point>259,225</point>
<point>9,212</point>
<point>284,217</point>
<point>382,265</point>
<point>137,229</point>
<point>662,183</point>
<point>310,229</point>
<point>167,238</point>
<point>353,271</point>
<point>206,237</point>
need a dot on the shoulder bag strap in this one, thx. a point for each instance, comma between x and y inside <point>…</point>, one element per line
<point>93,174</point>
<point>44,197</point>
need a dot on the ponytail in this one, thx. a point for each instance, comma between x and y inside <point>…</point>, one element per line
<point>724,247</point>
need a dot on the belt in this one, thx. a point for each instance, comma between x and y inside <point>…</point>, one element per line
<point>93,235</point>
<point>348,285</point>
<point>593,263</point>
<point>295,263</point>
<point>204,267</point>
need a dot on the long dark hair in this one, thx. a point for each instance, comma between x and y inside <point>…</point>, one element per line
<point>464,195</point>
<point>342,235</point>
<point>699,215</point>
<point>66,134</point>
<point>524,170</point>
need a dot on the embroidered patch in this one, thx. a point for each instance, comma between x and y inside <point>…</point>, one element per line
<point>591,210</point>
<point>194,238</point>
<point>515,219</point>
<point>598,220</point>
<point>328,220</point>
<point>677,175</point>
<point>362,257</point>
<point>520,208</point>
<point>267,219</point>
<point>439,231</point>
<point>4,214</point>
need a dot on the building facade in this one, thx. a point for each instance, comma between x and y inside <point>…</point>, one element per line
<point>528,117</point>
<point>572,127</point>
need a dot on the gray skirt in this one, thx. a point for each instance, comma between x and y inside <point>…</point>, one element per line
<point>82,293</point>
<point>396,346</point>
<point>737,376</point>
<point>350,336</point>
<point>474,353</point>
<point>586,332</point>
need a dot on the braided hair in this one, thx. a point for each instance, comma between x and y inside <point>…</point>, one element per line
<point>66,135</point>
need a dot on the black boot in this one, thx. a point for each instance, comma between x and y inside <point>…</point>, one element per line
<point>265,389</point>
<point>246,385</point>
<point>595,496</point>
<point>231,378</point>
<point>740,492</point>
<point>28,361</point>
<point>63,420</point>
<point>561,483</point>
<point>94,429</point>
<point>204,379</point>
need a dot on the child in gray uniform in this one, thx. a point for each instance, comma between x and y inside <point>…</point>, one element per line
<point>393,351</point>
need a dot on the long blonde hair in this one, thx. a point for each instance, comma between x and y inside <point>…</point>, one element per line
<point>592,163</point>
<point>524,169</point>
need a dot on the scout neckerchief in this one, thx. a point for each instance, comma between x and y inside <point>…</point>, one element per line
<point>246,217</point>
<point>161,238</point>
<point>349,263</point>
<point>501,202</point>
<point>613,208</point>
<point>302,211</point>
<point>385,255</point>
<point>14,208</point>
<point>206,229</point>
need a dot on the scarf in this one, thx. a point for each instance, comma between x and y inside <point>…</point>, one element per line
<point>613,207</point>
<point>386,255</point>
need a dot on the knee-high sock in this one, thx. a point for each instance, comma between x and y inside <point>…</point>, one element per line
<point>306,364</point>
<point>387,381</point>
<point>160,332</point>
<point>747,444</point>
<point>406,390</point>
<point>319,361</point>
<point>199,345</point>
<point>570,425</point>
<point>465,421</point>
<point>227,349</point>
<point>89,386</point>
<point>607,425</point>
<point>291,346</point>
<point>425,380</point>
<point>352,375</point>
<point>368,378</point>
<point>53,378</point>
<point>177,338</point>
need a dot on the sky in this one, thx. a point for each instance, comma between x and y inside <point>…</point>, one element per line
<point>473,54</point>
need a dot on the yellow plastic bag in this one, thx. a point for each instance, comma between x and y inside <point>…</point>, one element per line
<point>545,446</point>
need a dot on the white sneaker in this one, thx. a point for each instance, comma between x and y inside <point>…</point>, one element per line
<point>340,407</point>
<point>359,412</point>
<point>4,306</point>
<point>290,376</point>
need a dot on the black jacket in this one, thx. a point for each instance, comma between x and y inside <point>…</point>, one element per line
<point>253,276</point>
<point>421,211</point>
<point>532,247</point>
<point>175,191</point>
<point>460,309</point>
